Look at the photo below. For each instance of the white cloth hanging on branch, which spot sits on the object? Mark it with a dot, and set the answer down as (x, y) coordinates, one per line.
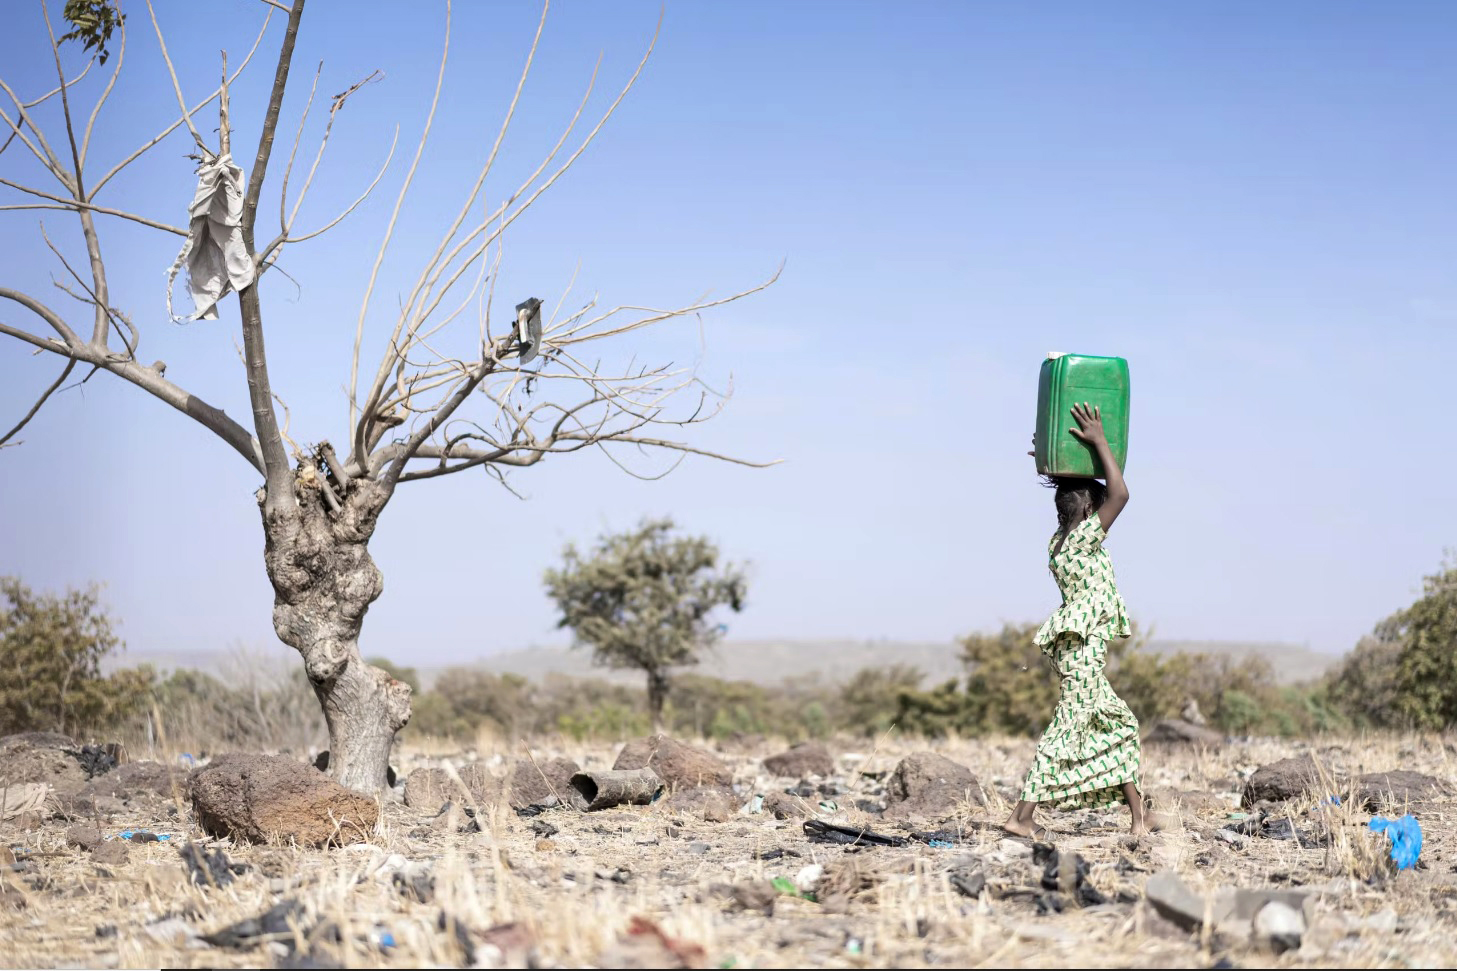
(214, 252)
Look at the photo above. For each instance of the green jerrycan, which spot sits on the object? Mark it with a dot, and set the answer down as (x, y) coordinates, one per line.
(1066, 380)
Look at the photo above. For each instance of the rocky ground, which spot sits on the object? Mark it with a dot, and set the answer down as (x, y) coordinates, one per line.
(885, 855)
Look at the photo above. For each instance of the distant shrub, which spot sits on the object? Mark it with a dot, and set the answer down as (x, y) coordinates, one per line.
(51, 649)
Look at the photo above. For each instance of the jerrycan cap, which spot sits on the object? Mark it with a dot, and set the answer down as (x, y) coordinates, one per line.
(1054, 355)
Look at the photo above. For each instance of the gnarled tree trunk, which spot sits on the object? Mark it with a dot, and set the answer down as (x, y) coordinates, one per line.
(317, 555)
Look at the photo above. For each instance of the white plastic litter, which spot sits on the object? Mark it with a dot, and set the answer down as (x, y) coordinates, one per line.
(214, 252)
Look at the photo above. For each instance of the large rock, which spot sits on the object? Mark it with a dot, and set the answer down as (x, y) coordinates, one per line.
(929, 786)
(804, 759)
(528, 788)
(1378, 790)
(711, 804)
(429, 789)
(1177, 731)
(680, 766)
(41, 757)
(272, 798)
(1282, 780)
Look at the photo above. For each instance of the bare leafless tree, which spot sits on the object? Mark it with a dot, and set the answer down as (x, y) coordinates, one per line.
(530, 388)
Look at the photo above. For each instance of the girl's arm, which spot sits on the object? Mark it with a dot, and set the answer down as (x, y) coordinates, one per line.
(1090, 433)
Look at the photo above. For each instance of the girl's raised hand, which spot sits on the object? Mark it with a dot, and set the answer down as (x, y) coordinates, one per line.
(1090, 424)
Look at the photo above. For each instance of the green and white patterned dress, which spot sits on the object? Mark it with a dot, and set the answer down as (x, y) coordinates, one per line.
(1090, 748)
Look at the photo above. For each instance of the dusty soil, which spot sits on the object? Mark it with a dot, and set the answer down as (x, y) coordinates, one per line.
(655, 886)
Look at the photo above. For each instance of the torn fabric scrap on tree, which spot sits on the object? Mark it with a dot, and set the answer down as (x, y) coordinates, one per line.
(215, 254)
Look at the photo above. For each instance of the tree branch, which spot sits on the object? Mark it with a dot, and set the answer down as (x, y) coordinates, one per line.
(278, 497)
(79, 205)
(148, 379)
(65, 373)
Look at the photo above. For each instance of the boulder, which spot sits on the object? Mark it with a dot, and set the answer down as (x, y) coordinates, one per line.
(929, 786)
(781, 805)
(528, 788)
(1282, 780)
(41, 757)
(1378, 790)
(804, 759)
(274, 799)
(679, 765)
(429, 789)
(1177, 731)
(113, 853)
(712, 805)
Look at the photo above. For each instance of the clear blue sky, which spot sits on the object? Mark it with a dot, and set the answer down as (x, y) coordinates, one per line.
(1253, 203)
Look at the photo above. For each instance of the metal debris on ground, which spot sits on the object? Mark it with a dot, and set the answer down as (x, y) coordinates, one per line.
(819, 831)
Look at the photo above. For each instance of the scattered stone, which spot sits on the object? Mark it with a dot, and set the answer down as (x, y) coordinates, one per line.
(41, 757)
(781, 805)
(968, 882)
(1379, 790)
(808, 878)
(209, 868)
(756, 895)
(429, 789)
(1238, 840)
(679, 765)
(543, 829)
(278, 921)
(804, 759)
(929, 786)
(1174, 901)
(416, 881)
(545, 846)
(528, 788)
(713, 805)
(12, 898)
(268, 798)
(84, 836)
(1191, 713)
(1278, 781)
(1279, 926)
(698, 849)
(111, 853)
(1066, 872)
(1177, 731)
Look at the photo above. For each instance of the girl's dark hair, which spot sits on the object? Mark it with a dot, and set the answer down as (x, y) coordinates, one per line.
(1076, 500)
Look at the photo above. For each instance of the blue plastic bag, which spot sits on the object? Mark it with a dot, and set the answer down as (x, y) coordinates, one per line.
(1406, 838)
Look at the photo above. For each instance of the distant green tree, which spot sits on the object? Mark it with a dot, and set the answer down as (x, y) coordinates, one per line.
(1365, 686)
(51, 649)
(1426, 668)
(643, 599)
(869, 703)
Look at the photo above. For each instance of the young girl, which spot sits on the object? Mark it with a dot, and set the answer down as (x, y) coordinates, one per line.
(1089, 755)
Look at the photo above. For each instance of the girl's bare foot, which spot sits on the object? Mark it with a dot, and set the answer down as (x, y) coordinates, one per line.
(1015, 827)
(1149, 822)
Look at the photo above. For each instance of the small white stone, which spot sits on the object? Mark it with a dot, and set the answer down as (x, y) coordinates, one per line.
(809, 877)
(1278, 920)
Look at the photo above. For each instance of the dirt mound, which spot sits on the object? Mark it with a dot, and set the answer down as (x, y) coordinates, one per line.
(41, 757)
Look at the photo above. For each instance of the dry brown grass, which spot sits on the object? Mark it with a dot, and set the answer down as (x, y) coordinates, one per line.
(904, 911)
